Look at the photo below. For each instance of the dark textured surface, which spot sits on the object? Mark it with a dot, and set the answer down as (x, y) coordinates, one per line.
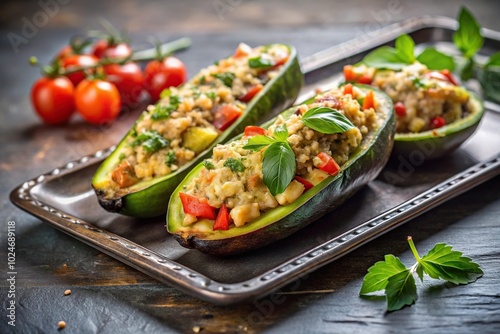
(109, 297)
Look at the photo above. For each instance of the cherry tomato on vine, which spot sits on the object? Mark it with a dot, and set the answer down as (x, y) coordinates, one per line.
(108, 49)
(159, 75)
(98, 101)
(53, 99)
(128, 79)
(77, 61)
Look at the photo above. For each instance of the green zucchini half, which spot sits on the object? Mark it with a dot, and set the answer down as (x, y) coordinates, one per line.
(436, 143)
(149, 198)
(362, 167)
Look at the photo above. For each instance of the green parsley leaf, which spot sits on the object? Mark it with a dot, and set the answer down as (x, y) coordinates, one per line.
(261, 62)
(405, 47)
(278, 167)
(436, 60)
(468, 37)
(235, 165)
(385, 57)
(379, 274)
(226, 78)
(326, 120)
(202, 80)
(443, 262)
(211, 95)
(419, 83)
(494, 60)
(400, 290)
(170, 158)
(164, 93)
(257, 143)
(121, 156)
(208, 164)
(161, 112)
(281, 133)
(151, 141)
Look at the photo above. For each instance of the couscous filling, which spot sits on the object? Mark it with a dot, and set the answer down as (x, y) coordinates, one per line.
(189, 118)
(231, 191)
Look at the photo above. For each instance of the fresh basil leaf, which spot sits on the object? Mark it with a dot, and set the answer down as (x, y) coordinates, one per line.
(494, 60)
(326, 120)
(468, 37)
(208, 164)
(443, 262)
(226, 78)
(405, 47)
(385, 57)
(435, 60)
(419, 83)
(379, 274)
(261, 62)
(281, 133)
(170, 158)
(401, 290)
(151, 141)
(278, 167)
(257, 143)
(235, 165)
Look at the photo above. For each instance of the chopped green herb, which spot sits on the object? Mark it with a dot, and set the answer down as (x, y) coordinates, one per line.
(175, 100)
(151, 141)
(211, 95)
(392, 276)
(226, 78)
(235, 165)
(121, 156)
(202, 80)
(419, 83)
(208, 164)
(164, 93)
(261, 62)
(170, 158)
(216, 62)
(161, 112)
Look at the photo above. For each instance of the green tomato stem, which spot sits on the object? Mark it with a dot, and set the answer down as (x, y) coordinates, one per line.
(413, 249)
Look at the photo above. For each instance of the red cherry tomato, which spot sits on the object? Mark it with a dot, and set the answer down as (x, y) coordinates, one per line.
(198, 207)
(159, 75)
(252, 91)
(98, 101)
(226, 116)
(437, 122)
(253, 130)
(129, 80)
(105, 49)
(307, 185)
(77, 61)
(400, 109)
(328, 164)
(222, 220)
(364, 79)
(53, 99)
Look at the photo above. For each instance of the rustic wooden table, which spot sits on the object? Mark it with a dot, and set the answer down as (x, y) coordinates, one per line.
(109, 297)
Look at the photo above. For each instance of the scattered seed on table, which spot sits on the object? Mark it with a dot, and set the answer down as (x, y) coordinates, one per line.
(67, 292)
(61, 325)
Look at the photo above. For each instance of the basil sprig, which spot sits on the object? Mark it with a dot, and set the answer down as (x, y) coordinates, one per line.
(326, 120)
(403, 54)
(278, 163)
(261, 62)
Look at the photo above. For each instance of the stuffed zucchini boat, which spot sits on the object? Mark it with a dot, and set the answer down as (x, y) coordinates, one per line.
(275, 179)
(181, 129)
(434, 114)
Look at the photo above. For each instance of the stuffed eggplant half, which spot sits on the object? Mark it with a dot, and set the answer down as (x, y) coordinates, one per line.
(434, 114)
(181, 129)
(277, 178)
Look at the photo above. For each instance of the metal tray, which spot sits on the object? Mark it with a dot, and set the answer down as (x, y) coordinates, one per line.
(405, 189)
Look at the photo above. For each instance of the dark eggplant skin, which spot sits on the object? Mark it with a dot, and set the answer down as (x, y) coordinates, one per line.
(360, 169)
(150, 198)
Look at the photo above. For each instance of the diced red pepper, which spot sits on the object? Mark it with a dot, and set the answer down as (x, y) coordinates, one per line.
(364, 79)
(307, 185)
(400, 109)
(348, 90)
(253, 130)
(226, 116)
(198, 207)
(349, 73)
(328, 164)
(451, 78)
(369, 101)
(252, 91)
(222, 220)
(242, 50)
(437, 122)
